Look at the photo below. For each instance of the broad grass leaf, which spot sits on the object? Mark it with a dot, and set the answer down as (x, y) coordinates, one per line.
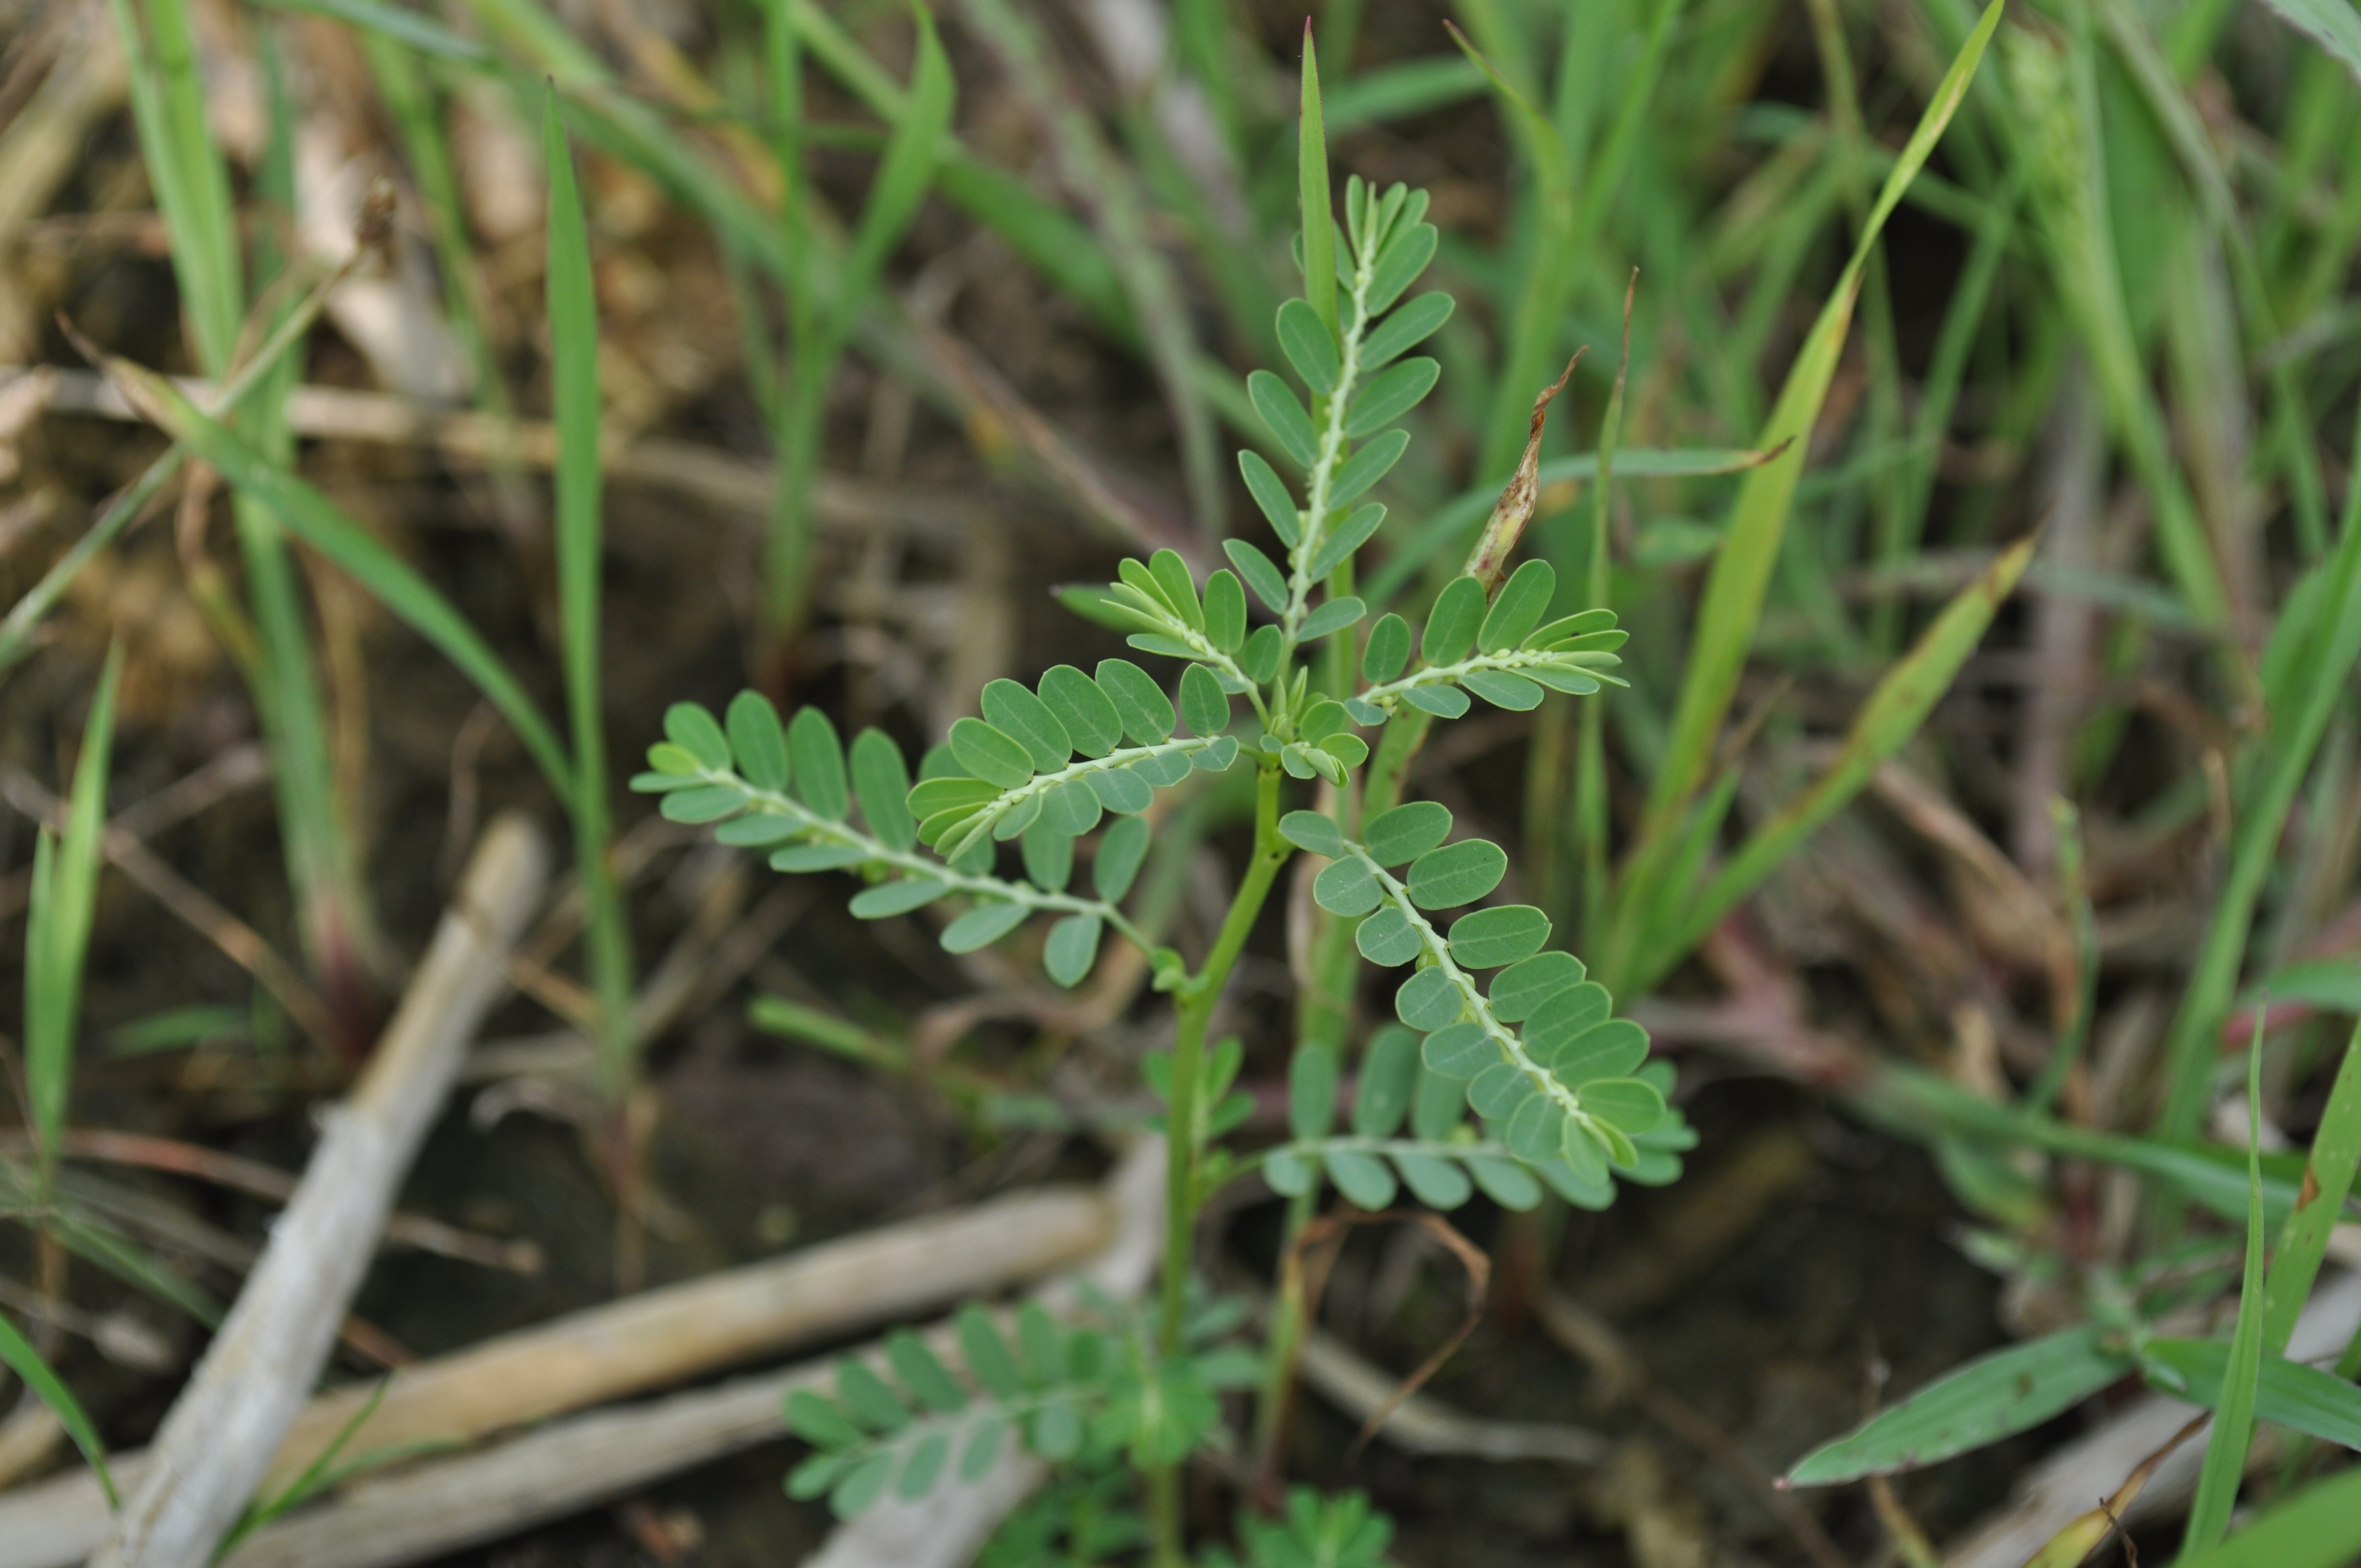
(1991, 1398)
(2333, 25)
(17, 1351)
(2315, 1402)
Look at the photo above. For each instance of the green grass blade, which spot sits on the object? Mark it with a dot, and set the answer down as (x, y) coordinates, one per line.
(1546, 282)
(27, 1362)
(1893, 714)
(2328, 1182)
(315, 520)
(1448, 529)
(2320, 1527)
(53, 996)
(2317, 683)
(574, 375)
(1315, 210)
(2291, 1394)
(2234, 1419)
(1989, 1398)
(187, 172)
(1732, 605)
(2333, 25)
(909, 168)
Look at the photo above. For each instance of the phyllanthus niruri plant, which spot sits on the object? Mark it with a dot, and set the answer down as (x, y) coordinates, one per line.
(1563, 1095)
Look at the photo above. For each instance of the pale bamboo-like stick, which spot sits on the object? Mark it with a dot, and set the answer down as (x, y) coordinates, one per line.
(445, 1505)
(646, 1342)
(217, 1443)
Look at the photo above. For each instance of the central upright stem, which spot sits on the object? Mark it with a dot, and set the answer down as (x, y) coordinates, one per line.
(1184, 1137)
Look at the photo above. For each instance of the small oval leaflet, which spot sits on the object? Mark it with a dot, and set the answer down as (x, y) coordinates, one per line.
(896, 897)
(1537, 1130)
(988, 753)
(1452, 624)
(1081, 709)
(1522, 601)
(1146, 711)
(1284, 416)
(1120, 789)
(1443, 701)
(1387, 938)
(819, 764)
(759, 741)
(1268, 582)
(1203, 709)
(1519, 989)
(982, 926)
(1503, 688)
(1624, 1103)
(1122, 848)
(1345, 887)
(1311, 1091)
(1612, 1050)
(1498, 1090)
(1362, 1178)
(1429, 999)
(1456, 873)
(1407, 831)
(1491, 937)
(1072, 948)
(1016, 712)
(1225, 611)
(1388, 652)
(1460, 1051)
(1314, 831)
(1331, 617)
(881, 781)
(1434, 1182)
(689, 726)
(1389, 1073)
(1566, 1014)
(1071, 808)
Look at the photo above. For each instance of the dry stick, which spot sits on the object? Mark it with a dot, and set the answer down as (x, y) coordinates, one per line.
(446, 1504)
(217, 1443)
(628, 1347)
(998, 420)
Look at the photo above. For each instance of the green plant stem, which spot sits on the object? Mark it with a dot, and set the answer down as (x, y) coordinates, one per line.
(1199, 994)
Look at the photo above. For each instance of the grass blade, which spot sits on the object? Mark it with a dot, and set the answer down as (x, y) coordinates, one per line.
(2333, 25)
(2320, 1527)
(574, 374)
(2316, 685)
(1315, 210)
(315, 520)
(27, 1362)
(57, 935)
(1989, 1398)
(1886, 721)
(1732, 604)
(2234, 1419)
(2328, 1182)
